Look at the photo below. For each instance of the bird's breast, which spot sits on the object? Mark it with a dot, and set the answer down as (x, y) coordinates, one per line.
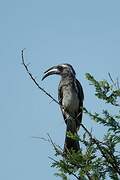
(70, 100)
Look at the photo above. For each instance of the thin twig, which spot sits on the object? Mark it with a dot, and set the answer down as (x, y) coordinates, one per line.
(34, 80)
(112, 80)
(41, 138)
(118, 84)
(59, 151)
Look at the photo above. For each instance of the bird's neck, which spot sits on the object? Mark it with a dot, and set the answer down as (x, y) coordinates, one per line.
(66, 79)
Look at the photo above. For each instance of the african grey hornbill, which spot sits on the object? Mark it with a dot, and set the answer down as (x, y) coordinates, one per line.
(70, 96)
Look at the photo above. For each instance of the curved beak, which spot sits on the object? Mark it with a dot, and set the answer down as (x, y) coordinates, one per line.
(51, 71)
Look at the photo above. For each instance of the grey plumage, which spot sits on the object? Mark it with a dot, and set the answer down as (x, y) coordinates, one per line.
(70, 96)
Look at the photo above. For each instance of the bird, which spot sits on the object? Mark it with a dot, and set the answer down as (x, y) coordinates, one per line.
(70, 98)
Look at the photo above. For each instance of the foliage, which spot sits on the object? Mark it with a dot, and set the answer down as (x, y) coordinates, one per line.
(96, 159)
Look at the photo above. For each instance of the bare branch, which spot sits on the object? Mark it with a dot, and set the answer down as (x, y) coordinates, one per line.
(113, 82)
(118, 83)
(111, 79)
(41, 138)
(56, 147)
(34, 80)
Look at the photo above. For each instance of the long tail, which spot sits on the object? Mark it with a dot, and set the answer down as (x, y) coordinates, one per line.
(70, 143)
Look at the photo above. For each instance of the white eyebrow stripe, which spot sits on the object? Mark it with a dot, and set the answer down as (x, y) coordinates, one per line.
(64, 65)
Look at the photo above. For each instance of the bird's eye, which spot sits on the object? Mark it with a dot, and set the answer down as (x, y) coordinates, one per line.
(60, 68)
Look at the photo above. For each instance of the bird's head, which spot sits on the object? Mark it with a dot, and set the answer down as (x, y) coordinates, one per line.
(62, 70)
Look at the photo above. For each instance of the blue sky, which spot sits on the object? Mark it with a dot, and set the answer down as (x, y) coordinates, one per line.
(83, 33)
